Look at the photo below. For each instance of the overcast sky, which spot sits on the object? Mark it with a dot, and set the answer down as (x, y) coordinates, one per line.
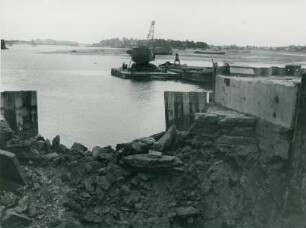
(241, 22)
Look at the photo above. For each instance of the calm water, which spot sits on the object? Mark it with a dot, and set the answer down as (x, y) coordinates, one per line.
(79, 99)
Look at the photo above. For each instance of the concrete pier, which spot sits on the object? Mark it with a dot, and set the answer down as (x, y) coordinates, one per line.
(19, 108)
(180, 108)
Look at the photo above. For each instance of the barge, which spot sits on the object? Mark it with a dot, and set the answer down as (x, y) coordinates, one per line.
(149, 75)
(189, 73)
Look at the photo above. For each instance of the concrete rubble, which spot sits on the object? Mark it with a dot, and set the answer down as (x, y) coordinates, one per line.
(214, 175)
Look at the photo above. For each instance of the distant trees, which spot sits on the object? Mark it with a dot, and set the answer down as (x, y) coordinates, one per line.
(125, 42)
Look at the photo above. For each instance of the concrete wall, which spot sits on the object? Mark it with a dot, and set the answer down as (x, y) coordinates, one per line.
(288, 70)
(273, 140)
(270, 99)
(295, 207)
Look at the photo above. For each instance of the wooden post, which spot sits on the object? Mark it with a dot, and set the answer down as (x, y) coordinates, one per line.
(19, 109)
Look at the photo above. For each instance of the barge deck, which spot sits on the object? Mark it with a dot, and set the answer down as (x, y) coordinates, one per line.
(128, 74)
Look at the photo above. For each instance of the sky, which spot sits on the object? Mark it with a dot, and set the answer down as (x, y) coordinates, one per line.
(219, 22)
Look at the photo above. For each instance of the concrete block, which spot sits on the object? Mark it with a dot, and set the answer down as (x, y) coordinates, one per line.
(10, 170)
(272, 99)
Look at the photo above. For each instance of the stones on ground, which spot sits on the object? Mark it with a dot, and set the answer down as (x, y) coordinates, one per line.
(153, 222)
(155, 154)
(6, 133)
(10, 169)
(147, 162)
(9, 199)
(73, 205)
(104, 154)
(167, 140)
(78, 148)
(39, 137)
(236, 145)
(185, 212)
(51, 156)
(89, 186)
(23, 204)
(103, 182)
(56, 141)
(92, 217)
(11, 219)
(138, 146)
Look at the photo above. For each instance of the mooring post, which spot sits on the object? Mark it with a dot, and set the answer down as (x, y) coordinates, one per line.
(19, 109)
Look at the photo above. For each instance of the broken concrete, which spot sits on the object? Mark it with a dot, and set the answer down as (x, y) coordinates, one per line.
(12, 219)
(149, 162)
(10, 169)
(224, 179)
(167, 140)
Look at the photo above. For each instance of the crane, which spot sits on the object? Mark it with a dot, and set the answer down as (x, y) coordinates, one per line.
(150, 36)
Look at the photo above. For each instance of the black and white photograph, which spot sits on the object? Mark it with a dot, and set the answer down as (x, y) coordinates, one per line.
(153, 114)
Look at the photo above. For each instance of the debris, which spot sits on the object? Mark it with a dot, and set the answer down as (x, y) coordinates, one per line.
(105, 153)
(56, 141)
(9, 199)
(147, 162)
(185, 212)
(23, 204)
(92, 217)
(166, 141)
(51, 156)
(10, 169)
(12, 219)
(103, 182)
(155, 154)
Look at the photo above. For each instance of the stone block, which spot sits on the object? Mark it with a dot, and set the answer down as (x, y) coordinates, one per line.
(10, 170)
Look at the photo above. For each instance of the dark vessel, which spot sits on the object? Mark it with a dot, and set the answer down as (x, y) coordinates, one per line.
(3, 44)
(162, 50)
(141, 55)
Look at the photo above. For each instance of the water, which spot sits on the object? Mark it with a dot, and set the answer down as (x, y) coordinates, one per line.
(79, 99)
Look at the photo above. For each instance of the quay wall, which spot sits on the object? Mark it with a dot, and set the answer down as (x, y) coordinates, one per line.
(288, 70)
(295, 206)
(271, 100)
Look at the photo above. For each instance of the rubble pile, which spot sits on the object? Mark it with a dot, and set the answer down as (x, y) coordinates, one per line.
(211, 176)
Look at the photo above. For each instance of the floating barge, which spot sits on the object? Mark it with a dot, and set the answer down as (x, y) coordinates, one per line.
(158, 75)
(189, 73)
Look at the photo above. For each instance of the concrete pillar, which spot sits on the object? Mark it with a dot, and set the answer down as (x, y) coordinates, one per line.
(180, 108)
(19, 108)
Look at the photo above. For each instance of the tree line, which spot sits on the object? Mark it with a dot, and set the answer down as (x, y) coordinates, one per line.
(125, 42)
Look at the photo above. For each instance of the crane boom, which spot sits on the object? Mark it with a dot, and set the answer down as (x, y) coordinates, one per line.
(150, 36)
